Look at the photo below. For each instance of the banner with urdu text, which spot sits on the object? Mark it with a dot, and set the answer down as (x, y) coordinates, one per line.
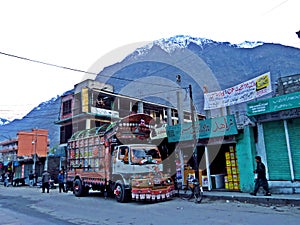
(240, 93)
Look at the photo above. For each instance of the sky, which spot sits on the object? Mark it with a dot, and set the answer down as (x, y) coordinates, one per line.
(76, 34)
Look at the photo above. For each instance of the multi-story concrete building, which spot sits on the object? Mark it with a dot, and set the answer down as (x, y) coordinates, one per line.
(25, 153)
(8, 154)
(92, 104)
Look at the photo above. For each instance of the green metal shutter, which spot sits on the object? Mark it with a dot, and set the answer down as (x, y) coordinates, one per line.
(294, 133)
(276, 150)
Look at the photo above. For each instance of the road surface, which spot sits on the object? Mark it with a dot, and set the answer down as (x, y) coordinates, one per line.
(25, 205)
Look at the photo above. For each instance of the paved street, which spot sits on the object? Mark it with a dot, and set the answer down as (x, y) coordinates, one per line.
(24, 205)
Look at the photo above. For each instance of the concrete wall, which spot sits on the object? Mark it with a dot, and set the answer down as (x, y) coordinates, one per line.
(32, 142)
(245, 150)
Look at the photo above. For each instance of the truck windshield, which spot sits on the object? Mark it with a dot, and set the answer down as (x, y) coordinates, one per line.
(144, 155)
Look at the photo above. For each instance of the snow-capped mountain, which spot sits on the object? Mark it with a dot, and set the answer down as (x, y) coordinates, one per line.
(4, 121)
(183, 41)
(199, 61)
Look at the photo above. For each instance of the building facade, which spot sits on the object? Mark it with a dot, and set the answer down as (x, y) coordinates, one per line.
(28, 152)
(277, 134)
(278, 139)
(93, 104)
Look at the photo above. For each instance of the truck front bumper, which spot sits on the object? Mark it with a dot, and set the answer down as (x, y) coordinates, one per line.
(149, 194)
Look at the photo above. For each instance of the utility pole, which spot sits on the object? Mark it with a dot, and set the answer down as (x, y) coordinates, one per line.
(180, 121)
(195, 155)
(34, 156)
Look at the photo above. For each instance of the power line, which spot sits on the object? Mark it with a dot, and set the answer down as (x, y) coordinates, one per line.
(112, 77)
(45, 63)
(93, 73)
(275, 7)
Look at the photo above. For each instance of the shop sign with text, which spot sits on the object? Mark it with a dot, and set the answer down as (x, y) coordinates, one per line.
(279, 103)
(215, 127)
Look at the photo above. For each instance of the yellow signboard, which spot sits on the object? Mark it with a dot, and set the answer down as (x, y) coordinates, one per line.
(262, 82)
(84, 100)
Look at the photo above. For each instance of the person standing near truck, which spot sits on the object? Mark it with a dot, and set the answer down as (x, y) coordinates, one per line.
(31, 178)
(6, 179)
(61, 179)
(45, 181)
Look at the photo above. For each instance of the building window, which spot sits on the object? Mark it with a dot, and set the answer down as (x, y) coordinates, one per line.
(67, 107)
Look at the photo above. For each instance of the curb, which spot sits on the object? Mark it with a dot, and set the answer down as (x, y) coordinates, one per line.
(257, 199)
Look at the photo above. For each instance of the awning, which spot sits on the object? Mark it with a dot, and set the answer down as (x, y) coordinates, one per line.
(16, 163)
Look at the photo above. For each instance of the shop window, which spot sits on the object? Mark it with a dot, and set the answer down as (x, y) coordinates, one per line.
(103, 102)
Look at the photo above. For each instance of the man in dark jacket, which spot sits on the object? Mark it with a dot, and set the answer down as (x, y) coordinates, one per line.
(61, 178)
(261, 180)
(45, 181)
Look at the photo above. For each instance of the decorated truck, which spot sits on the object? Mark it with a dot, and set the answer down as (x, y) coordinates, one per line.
(118, 159)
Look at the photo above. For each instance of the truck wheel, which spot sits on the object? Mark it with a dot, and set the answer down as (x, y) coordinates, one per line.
(119, 192)
(78, 188)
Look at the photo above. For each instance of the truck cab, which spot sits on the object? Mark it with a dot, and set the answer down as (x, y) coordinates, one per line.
(137, 169)
(135, 158)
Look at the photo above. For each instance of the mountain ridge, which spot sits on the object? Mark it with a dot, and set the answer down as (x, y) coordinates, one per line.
(224, 63)
(41, 117)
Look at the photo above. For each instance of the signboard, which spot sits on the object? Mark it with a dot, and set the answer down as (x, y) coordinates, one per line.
(215, 127)
(180, 132)
(105, 112)
(218, 127)
(240, 93)
(159, 132)
(279, 103)
(84, 100)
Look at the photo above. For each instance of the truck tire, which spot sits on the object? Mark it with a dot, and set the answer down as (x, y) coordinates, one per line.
(120, 192)
(78, 188)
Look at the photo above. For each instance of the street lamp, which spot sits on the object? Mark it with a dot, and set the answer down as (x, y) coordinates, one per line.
(34, 156)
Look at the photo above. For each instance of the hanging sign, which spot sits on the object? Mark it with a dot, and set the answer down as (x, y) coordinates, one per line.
(249, 90)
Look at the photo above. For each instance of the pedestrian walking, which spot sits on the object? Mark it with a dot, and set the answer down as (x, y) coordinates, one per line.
(6, 179)
(261, 180)
(31, 178)
(61, 178)
(34, 179)
(45, 181)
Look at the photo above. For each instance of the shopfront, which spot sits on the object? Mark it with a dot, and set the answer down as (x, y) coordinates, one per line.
(216, 152)
(278, 121)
